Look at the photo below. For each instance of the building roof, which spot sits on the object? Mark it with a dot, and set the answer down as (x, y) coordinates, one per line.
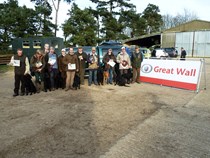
(195, 25)
(144, 40)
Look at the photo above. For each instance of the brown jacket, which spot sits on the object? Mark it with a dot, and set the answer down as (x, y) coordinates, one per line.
(71, 59)
(61, 65)
(35, 60)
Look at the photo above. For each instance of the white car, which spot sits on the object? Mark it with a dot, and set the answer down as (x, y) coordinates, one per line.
(160, 53)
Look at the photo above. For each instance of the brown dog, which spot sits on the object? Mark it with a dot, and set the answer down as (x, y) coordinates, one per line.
(105, 76)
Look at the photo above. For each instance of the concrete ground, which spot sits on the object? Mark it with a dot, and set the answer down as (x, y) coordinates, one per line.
(173, 131)
(139, 121)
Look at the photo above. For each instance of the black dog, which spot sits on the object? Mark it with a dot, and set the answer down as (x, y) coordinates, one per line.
(128, 76)
(120, 80)
(76, 83)
(100, 77)
(29, 85)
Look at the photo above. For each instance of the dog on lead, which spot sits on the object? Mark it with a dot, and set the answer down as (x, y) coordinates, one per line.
(76, 83)
(119, 79)
(105, 77)
(29, 85)
(100, 74)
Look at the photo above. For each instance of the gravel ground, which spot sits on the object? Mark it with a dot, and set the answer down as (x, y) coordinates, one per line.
(142, 120)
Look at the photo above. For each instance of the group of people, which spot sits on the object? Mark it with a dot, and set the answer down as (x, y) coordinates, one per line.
(49, 68)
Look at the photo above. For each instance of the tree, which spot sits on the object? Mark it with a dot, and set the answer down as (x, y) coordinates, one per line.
(15, 22)
(43, 22)
(56, 6)
(112, 28)
(133, 22)
(153, 18)
(80, 28)
(172, 21)
(109, 13)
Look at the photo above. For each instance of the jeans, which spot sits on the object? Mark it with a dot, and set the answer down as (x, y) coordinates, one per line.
(92, 74)
(53, 75)
(110, 71)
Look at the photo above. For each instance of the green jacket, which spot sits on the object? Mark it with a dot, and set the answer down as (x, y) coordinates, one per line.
(82, 62)
(136, 59)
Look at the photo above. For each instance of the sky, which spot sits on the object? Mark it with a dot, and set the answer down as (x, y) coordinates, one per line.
(172, 7)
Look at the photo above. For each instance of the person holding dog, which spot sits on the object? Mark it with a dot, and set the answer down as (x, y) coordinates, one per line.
(82, 59)
(21, 64)
(72, 65)
(136, 60)
(38, 67)
(109, 61)
(124, 61)
(93, 66)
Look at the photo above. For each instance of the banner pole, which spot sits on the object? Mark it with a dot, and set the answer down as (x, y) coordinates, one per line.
(204, 69)
(199, 77)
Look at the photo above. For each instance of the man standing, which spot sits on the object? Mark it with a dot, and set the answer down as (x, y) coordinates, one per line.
(124, 61)
(21, 64)
(93, 66)
(52, 64)
(72, 66)
(136, 60)
(183, 54)
(46, 76)
(62, 68)
(82, 59)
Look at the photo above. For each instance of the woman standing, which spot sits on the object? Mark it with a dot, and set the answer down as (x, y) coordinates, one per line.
(38, 67)
(109, 61)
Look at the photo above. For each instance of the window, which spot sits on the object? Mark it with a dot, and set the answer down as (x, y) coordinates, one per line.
(37, 44)
(26, 44)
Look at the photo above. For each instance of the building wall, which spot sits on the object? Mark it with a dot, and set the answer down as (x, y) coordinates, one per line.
(168, 39)
(185, 40)
(196, 44)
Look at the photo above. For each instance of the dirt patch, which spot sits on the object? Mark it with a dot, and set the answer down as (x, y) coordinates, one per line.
(82, 123)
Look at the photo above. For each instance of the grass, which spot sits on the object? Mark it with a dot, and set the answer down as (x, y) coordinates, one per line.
(5, 68)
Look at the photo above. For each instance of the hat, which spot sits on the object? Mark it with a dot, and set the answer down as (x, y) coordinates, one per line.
(123, 48)
(93, 48)
(136, 47)
(63, 50)
(79, 47)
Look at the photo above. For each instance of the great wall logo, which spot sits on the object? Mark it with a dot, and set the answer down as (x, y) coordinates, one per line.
(146, 68)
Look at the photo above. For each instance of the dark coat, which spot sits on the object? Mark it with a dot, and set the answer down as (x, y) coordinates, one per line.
(34, 60)
(106, 59)
(82, 63)
(20, 70)
(61, 65)
(136, 59)
(71, 59)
